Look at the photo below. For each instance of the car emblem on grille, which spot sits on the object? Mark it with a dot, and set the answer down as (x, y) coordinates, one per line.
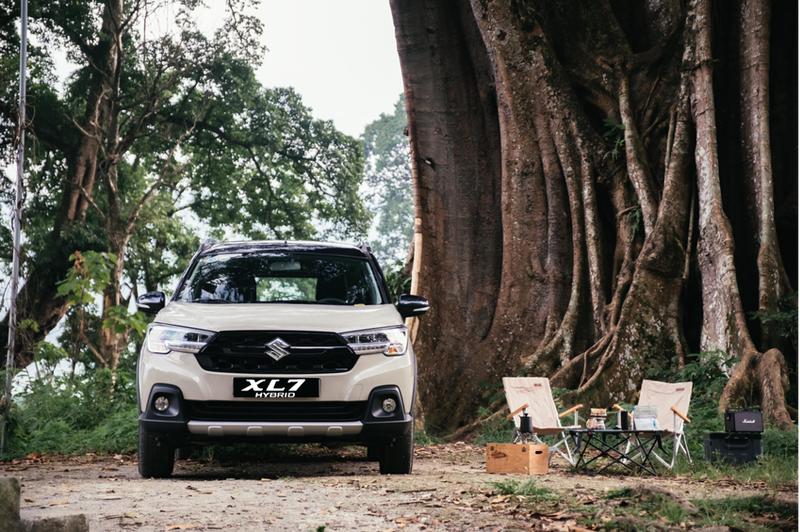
(277, 348)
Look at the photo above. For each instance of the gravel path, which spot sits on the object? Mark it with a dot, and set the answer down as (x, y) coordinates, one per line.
(337, 489)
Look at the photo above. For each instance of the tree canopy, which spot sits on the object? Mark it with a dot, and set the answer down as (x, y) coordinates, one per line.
(161, 128)
(388, 174)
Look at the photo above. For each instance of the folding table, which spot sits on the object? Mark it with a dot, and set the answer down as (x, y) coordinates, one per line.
(614, 445)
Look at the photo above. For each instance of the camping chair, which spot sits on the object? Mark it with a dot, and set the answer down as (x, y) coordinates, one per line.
(535, 392)
(672, 401)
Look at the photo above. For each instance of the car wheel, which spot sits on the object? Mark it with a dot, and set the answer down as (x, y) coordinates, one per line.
(397, 457)
(374, 451)
(156, 459)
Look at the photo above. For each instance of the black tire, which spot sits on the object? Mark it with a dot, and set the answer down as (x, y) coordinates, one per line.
(374, 451)
(397, 457)
(156, 459)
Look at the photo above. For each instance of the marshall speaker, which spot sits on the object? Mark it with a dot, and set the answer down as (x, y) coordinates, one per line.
(743, 421)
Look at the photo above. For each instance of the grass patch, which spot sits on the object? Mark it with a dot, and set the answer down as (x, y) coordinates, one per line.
(628, 511)
(623, 493)
(495, 431)
(743, 512)
(772, 470)
(423, 438)
(529, 488)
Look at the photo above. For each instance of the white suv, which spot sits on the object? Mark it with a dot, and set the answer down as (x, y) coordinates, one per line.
(278, 342)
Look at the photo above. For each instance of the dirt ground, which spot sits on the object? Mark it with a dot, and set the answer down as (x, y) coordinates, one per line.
(337, 488)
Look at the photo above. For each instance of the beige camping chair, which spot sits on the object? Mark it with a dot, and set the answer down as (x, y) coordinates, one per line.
(535, 392)
(672, 401)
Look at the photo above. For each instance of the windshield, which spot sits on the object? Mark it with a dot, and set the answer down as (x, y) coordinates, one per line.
(275, 277)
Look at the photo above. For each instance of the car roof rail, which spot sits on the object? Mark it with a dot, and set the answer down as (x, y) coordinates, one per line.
(207, 243)
(365, 247)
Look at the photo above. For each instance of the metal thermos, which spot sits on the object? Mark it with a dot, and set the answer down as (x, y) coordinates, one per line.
(525, 424)
(622, 419)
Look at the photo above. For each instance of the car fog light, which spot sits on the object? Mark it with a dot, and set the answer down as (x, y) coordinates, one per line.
(161, 403)
(389, 405)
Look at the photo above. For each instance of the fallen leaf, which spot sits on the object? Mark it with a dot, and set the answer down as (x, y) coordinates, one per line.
(266, 480)
(502, 498)
(110, 469)
(16, 468)
(65, 501)
(497, 529)
(205, 492)
(280, 494)
(131, 516)
(406, 520)
(29, 500)
(110, 491)
(179, 527)
(323, 512)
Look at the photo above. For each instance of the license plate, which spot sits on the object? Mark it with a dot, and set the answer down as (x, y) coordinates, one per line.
(275, 388)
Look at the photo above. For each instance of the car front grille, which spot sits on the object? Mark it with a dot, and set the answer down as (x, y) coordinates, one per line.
(307, 411)
(247, 352)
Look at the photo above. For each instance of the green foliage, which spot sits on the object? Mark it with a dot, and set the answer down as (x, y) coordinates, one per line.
(739, 512)
(86, 280)
(529, 488)
(399, 283)
(785, 318)
(120, 320)
(424, 438)
(785, 322)
(634, 219)
(88, 276)
(494, 430)
(617, 134)
(388, 174)
(618, 494)
(707, 372)
(197, 133)
(56, 415)
(494, 391)
(780, 443)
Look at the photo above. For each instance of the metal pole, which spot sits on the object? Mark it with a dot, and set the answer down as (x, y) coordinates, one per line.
(12, 313)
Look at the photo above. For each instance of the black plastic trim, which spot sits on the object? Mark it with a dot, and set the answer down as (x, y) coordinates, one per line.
(375, 413)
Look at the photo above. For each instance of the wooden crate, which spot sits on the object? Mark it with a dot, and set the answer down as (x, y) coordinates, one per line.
(528, 459)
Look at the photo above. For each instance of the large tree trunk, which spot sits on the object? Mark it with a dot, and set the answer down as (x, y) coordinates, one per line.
(545, 251)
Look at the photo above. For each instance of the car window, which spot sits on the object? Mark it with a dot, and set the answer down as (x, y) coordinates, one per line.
(281, 278)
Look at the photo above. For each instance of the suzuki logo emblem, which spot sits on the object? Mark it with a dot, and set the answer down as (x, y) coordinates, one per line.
(277, 348)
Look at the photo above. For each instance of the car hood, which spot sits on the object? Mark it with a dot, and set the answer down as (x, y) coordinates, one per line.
(278, 316)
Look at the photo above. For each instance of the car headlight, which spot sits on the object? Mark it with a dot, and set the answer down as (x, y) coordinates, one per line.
(164, 338)
(390, 342)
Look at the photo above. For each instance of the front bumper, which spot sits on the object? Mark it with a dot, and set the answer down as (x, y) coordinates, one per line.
(178, 424)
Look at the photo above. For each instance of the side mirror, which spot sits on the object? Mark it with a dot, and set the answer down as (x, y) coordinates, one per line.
(151, 302)
(409, 306)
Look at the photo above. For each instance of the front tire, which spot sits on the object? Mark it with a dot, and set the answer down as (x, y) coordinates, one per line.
(156, 458)
(397, 457)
